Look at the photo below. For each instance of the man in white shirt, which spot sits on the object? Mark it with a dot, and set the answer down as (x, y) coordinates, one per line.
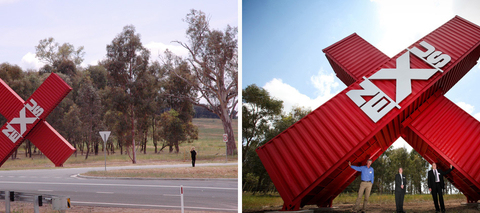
(400, 189)
(436, 185)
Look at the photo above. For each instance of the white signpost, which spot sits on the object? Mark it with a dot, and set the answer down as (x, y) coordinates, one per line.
(181, 198)
(225, 139)
(105, 135)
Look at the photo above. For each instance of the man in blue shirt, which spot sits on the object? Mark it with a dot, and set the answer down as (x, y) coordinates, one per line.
(366, 185)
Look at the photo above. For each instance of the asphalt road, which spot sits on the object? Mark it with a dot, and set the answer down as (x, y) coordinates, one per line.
(199, 194)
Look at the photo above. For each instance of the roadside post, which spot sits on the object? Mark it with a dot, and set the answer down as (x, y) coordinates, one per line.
(181, 197)
(225, 139)
(105, 135)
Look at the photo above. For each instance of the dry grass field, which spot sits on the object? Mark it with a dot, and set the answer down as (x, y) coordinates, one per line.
(187, 172)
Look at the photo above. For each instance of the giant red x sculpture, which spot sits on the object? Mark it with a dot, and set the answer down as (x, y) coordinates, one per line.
(386, 98)
(26, 120)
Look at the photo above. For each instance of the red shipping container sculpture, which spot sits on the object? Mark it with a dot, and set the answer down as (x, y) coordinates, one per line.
(26, 120)
(386, 98)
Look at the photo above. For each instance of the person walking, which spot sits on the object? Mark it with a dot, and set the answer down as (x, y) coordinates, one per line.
(436, 185)
(193, 153)
(400, 189)
(366, 184)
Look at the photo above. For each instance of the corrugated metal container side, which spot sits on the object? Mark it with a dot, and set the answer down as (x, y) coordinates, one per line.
(50, 94)
(445, 133)
(51, 143)
(11, 103)
(300, 159)
(309, 158)
(10, 106)
(7, 147)
(458, 38)
(352, 58)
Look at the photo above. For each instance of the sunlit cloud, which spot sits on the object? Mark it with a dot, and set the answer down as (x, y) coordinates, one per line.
(324, 84)
(29, 61)
(402, 24)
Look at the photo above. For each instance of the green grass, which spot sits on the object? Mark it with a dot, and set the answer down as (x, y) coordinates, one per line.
(273, 201)
(210, 148)
(261, 201)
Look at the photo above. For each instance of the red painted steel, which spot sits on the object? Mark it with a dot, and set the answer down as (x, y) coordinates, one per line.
(308, 161)
(11, 102)
(352, 58)
(50, 93)
(446, 134)
(47, 96)
(51, 143)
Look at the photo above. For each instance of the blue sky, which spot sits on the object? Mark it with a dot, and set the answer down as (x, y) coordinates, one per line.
(94, 24)
(283, 42)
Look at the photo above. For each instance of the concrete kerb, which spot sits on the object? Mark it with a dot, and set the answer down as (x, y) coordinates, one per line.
(134, 178)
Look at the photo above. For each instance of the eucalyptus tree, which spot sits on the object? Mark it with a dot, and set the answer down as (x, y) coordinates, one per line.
(213, 57)
(126, 59)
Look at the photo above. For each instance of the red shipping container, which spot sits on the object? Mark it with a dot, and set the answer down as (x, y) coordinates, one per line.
(308, 161)
(26, 120)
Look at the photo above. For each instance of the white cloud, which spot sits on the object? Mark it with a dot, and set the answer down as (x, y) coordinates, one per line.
(466, 107)
(29, 61)
(405, 21)
(400, 143)
(324, 83)
(158, 48)
(470, 109)
(477, 116)
(3, 2)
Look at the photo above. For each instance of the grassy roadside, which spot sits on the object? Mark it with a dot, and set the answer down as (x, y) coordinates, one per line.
(184, 172)
(210, 148)
(273, 201)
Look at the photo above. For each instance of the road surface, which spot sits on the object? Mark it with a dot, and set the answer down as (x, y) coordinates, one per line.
(199, 194)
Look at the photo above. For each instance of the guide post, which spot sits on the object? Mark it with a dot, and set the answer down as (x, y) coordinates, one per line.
(225, 139)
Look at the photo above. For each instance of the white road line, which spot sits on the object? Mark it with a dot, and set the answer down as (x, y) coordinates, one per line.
(104, 192)
(145, 205)
(45, 190)
(125, 185)
(169, 195)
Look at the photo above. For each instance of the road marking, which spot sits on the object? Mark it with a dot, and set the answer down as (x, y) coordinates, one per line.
(45, 190)
(169, 195)
(125, 185)
(104, 192)
(158, 206)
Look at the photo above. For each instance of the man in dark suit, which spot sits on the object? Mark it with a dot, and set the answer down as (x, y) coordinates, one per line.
(400, 189)
(436, 185)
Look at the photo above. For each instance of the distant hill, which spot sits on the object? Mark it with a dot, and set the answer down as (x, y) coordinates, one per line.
(201, 112)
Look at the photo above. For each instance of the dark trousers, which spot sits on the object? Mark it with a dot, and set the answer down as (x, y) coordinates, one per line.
(438, 190)
(399, 196)
(193, 162)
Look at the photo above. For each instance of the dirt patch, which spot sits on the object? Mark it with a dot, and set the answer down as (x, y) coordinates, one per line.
(450, 206)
